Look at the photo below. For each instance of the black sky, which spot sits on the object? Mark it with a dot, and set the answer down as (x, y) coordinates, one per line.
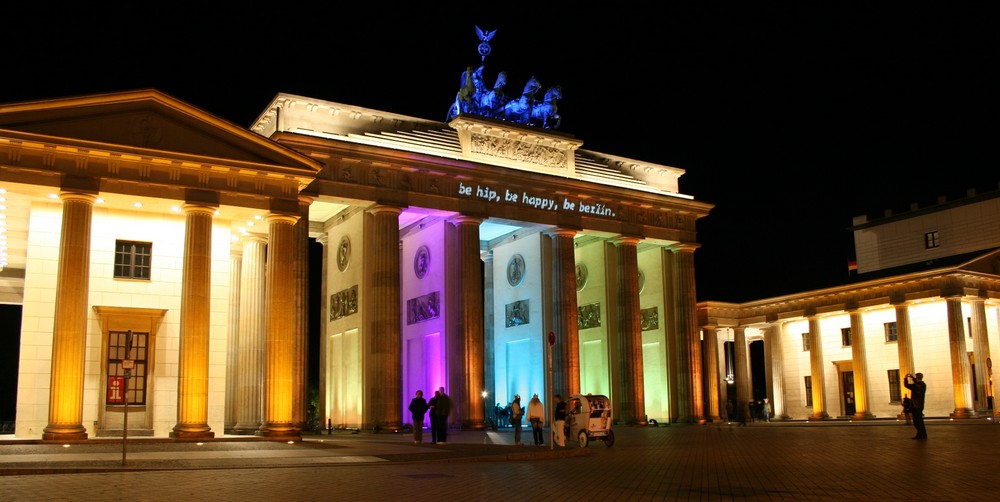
(791, 119)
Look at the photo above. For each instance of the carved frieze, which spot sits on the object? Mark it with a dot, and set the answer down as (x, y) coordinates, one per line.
(588, 316)
(423, 308)
(344, 303)
(516, 313)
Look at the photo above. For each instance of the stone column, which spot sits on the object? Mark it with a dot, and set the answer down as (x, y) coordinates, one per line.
(960, 370)
(816, 370)
(904, 345)
(466, 364)
(383, 403)
(567, 348)
(324, 316)
(233, 336)
(744, 387)
(195, 327)
(687, 331)
(301, 330)
(69, 331)
(981, 354)
(279, 344)
(631, 393)
(489, 351)
(859, 357)
(775, 358)
(252, 334)
(711, 355)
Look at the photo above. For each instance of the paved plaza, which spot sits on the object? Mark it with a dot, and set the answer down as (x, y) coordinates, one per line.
(778, 461)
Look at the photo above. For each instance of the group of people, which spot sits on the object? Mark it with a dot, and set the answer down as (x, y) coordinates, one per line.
(752, 410)
(439, 408)
(536, 417)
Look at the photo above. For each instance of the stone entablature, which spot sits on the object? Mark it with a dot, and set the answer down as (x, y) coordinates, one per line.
(359, 172)
(500, 143)
(934, 284)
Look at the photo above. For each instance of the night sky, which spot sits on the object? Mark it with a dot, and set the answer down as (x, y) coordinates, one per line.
(791, 120)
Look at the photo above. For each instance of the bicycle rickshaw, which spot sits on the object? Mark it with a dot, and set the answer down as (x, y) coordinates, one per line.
(588, 418)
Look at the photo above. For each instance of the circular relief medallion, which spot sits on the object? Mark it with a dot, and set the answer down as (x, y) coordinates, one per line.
(421, 262)
(343, 253)
(642, 281)
(515, 270)
(581, 276)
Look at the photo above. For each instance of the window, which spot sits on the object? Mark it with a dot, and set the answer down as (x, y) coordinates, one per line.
(890, 332)
(136, 384)
(931, 240)
(845, 337)
(809, 390)
(805, 342)
(132, 259)
(894, 396)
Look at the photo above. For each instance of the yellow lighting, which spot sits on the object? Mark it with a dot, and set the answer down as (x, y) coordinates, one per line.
(65, 446)
(137, 204)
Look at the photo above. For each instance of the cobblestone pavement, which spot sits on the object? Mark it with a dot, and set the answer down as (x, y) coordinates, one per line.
(792, 461)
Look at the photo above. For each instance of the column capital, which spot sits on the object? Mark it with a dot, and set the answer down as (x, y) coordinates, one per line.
(291, 219)
(382, 208)
(625, 239)
(686, 247)
(464, 219)
(562, 232)
(199, 209)
(77, 196)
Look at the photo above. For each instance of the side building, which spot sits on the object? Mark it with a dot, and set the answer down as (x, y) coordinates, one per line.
(926, 299)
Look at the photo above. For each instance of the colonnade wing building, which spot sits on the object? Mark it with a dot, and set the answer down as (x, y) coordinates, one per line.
(925, 299)
(160, 255)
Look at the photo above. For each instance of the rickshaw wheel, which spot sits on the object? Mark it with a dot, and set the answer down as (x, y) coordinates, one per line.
(610, 438)
(583, 439)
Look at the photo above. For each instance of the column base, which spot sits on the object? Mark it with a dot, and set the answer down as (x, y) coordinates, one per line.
(192, 435)
(819, 416)
(242, 431)
(865, 415)
(280, 431)
(474, 425)
(963, 413)
(64, 436)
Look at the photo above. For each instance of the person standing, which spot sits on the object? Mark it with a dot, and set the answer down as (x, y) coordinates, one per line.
(418, 408)
(767, 410)
(559, 422)
(536, 415)
(516, 412)
(441, 412)
(917, 391)
(432, 408)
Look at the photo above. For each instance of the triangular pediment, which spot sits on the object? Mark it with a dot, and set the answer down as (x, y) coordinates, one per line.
(988, 263)
(147, 120)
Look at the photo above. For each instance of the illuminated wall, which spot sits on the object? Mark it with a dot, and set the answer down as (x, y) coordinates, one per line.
(424, 335)
(518, 350)
(595, 377)
(343, 345)
(166, 233)
(654, 344)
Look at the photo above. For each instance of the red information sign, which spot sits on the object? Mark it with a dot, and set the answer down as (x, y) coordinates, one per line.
(116, 385)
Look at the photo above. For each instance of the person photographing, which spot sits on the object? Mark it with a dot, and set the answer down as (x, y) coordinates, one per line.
(917, 391)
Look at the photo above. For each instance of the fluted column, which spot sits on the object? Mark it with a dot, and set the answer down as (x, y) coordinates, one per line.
(816, 370)
(711, 355)
(859, 357)
(69, 331)
(981, 354)
(772, 346)
(489, 352)
(252, 333)
(383, 406)
(631, 392)
(233, 336)
(196, 309)
(324, 314)
(904, 344)
(741, 363)
(467, 363)
(567, 329)
(279, 345)
(960, 370)
(687, 330)
(301, 332)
